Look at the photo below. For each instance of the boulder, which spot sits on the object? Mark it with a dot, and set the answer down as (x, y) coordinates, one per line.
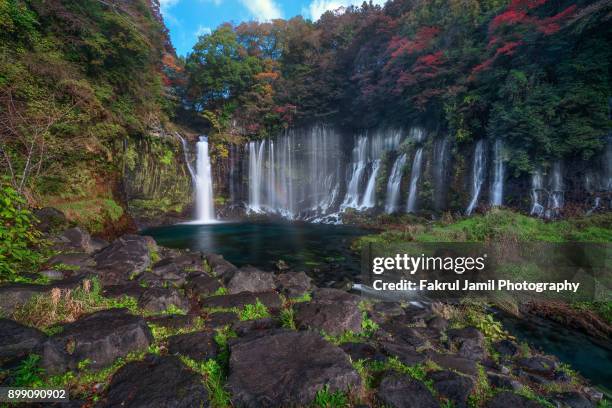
(287, 369)
(156, 382)
(17, 340)
(101, 337)
(537, 365)
(453, 362)
(160, 299)
(404, 353)
(362, 351)
(199, 346)
(453, 386)
(218, 266)
(169, 271)
(383, 311)
(250, 279)
(14, 295)
(573, 400)
(506, 348)
(333, 319)
(74, 239)
(201, 285)
(77, 260)
(508, 399)
(293, 284)
(330, 310)
(401, 391)
(437, 323)
(257, 326)
(469, 342)
(220, 319)
(50, 219)
(124, 259)
(172, 321)
(270, 299)
(503, 381)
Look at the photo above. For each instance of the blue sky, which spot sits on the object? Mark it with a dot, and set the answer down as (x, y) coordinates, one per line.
(187, 19)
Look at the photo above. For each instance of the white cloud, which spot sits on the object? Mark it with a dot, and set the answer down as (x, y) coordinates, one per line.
(318, 7)
(165, 5)
(202, 31)
(263, 10)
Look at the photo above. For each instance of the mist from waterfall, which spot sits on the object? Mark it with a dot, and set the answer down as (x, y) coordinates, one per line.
(537, 193)
(440, 168)
(205, 209)
(497, 188)
(415, 175)
(556, 190)
(478, 175)
(394, 183)
(298, 175)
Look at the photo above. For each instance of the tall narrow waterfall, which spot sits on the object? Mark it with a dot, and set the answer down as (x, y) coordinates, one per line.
(440, 168)
(497, 188)
(478, 174)
(298, 175)
(415, 175)
(205, 210)
(556, 190)
(358, 166)
(393, 184)
(537, 194)
(369, 197)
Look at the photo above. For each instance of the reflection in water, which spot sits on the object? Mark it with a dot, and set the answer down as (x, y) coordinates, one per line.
(323, 250)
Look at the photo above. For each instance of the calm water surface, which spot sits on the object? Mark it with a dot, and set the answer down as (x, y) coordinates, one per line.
(323, 250)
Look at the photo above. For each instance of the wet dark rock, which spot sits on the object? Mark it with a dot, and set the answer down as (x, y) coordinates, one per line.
(406, 354)
(293, 284)
(469, 342)
(17, 340)
(220, 319)
(98, 244)
(218, 266)
(243, 328)
(201, 285)
(417, 337)
(133, 289)
(270, 299)
(573, 400)
(362, 351)
(506, 348)
(73, 259)
(190, 262)
(400, 391)
(101, 337)
(149, 280)
(334, 296)
(170, 272)
(160, 299)
(562, 377)
(503, 381)
(437, 323)
(74, 239)
(50, 219)
(126, 258)
(537, 365)
(172, 321)
(457, 363)
(199, 346)
(508, 399)
(333, 318)
(287, 369)
(250, 279)
(156, 382)
(383, 311)
(453, 386)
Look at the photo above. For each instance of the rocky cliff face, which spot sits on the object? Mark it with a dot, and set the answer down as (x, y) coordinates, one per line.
(156, 178)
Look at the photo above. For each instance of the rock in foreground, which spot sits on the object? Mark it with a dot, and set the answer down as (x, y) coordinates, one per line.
(156, 382)
(287, 369)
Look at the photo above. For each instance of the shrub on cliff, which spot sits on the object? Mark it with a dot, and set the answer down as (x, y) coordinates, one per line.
(18, 236)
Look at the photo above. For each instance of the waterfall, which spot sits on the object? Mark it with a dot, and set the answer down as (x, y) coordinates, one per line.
(357, 168)
(186, 157)
(478, 173)
(369, 197)
(497, 188)
(556, 195)
(414, 180)
(537, 189)
(440, 163)
(393, 185)
(297, 175)
(205, 210)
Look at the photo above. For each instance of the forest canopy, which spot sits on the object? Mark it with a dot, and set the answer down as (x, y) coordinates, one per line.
(533, 72)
